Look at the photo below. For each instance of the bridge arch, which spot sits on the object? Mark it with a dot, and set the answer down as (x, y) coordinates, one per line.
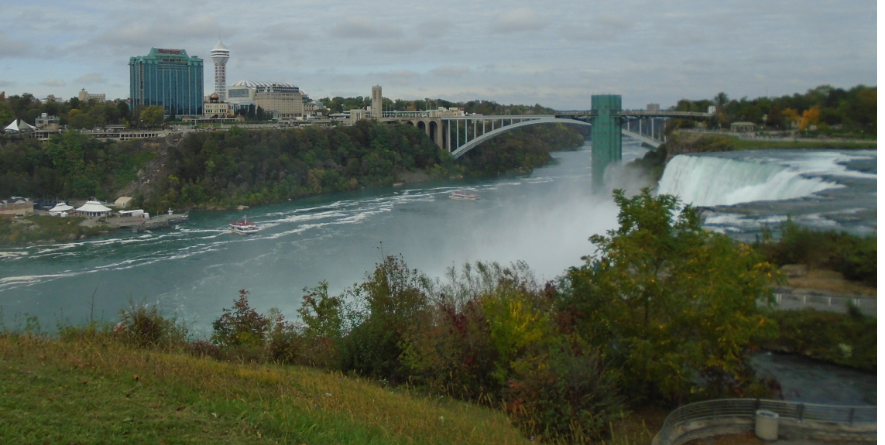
(642, 138)
(470, 145)
(433, 131)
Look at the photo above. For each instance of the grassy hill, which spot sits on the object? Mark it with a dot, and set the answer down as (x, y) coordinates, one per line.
(88, 388)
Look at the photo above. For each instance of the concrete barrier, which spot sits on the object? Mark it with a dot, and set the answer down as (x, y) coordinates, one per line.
(795, 421)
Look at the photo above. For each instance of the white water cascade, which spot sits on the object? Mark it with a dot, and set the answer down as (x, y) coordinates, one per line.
(713, 181)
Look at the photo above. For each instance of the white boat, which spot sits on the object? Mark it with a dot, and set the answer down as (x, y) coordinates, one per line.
(243, 227)
(463, 194)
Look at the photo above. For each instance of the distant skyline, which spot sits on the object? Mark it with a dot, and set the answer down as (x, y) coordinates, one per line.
(554, 53)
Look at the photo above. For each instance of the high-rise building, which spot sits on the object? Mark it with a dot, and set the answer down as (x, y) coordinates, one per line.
(168, 78)
(220, 54)
(377, 102)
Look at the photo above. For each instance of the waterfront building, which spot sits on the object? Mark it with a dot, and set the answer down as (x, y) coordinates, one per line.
(85, 96)
(220, 55)
(168, 78)
(284, 100)
(93, 208)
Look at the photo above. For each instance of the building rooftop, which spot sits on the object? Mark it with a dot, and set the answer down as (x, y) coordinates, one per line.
(260, 84)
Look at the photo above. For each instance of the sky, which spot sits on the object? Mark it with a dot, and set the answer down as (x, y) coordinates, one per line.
(557, 53)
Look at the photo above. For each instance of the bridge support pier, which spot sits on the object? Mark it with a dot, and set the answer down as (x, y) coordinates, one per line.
(606, 136)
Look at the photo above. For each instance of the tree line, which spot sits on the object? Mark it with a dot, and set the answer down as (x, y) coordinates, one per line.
(340, 104)
(236, 167)
(823, 109)
(73, 112)
(226, 169)
(70, 165)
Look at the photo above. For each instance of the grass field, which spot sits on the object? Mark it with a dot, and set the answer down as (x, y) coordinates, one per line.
(94, 389)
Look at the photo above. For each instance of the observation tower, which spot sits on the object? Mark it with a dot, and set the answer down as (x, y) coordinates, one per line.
(220, 54)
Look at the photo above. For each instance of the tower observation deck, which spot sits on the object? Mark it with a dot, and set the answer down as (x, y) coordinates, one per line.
(220, 55)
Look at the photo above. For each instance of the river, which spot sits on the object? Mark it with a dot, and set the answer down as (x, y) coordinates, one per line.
(197, 269)
(544, 218)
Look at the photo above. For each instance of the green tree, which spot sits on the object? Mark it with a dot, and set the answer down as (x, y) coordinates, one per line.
(123, 110)
(152, 116)
(670, 304)
(240, 325)
(775, 118)
(6, 114)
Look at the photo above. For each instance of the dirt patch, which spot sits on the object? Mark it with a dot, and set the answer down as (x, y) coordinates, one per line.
(831, 281)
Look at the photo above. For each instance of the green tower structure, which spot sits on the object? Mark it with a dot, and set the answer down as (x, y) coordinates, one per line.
(606, 135)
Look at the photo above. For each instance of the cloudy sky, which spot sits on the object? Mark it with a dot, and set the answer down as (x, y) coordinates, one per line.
(554, 53)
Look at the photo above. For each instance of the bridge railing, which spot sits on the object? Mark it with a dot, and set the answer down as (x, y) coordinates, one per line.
(787, 299)
(796, 420)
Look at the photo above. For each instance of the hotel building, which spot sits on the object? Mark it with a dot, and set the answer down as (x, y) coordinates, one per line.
(168, 78)
(282, 99)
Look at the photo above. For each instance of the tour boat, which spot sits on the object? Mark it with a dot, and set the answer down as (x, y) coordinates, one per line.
(243, 227)
(463, 194)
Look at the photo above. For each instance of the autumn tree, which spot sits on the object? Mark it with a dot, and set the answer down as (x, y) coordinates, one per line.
(809, 117)
(152, 116)
(670, 304)
(791, 116)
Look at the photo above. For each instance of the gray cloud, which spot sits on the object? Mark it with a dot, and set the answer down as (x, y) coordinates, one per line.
(398, 77)
(364, 28)
(603, 27)
(53, 82)
(6, 83)
(449, 71)
(287, 31)
(400, 46)
(91, 78)
(519, 20)
(250, 49)
(14, 48)
(436, 28)
(155, 30)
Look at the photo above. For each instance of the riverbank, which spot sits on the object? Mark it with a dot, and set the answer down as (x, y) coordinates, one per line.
(46, 229)
(226, 170)
(841, 339)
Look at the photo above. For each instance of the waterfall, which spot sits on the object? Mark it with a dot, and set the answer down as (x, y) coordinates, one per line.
(711, 180)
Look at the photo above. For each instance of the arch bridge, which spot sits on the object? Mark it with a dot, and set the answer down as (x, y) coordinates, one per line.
(458, 134)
